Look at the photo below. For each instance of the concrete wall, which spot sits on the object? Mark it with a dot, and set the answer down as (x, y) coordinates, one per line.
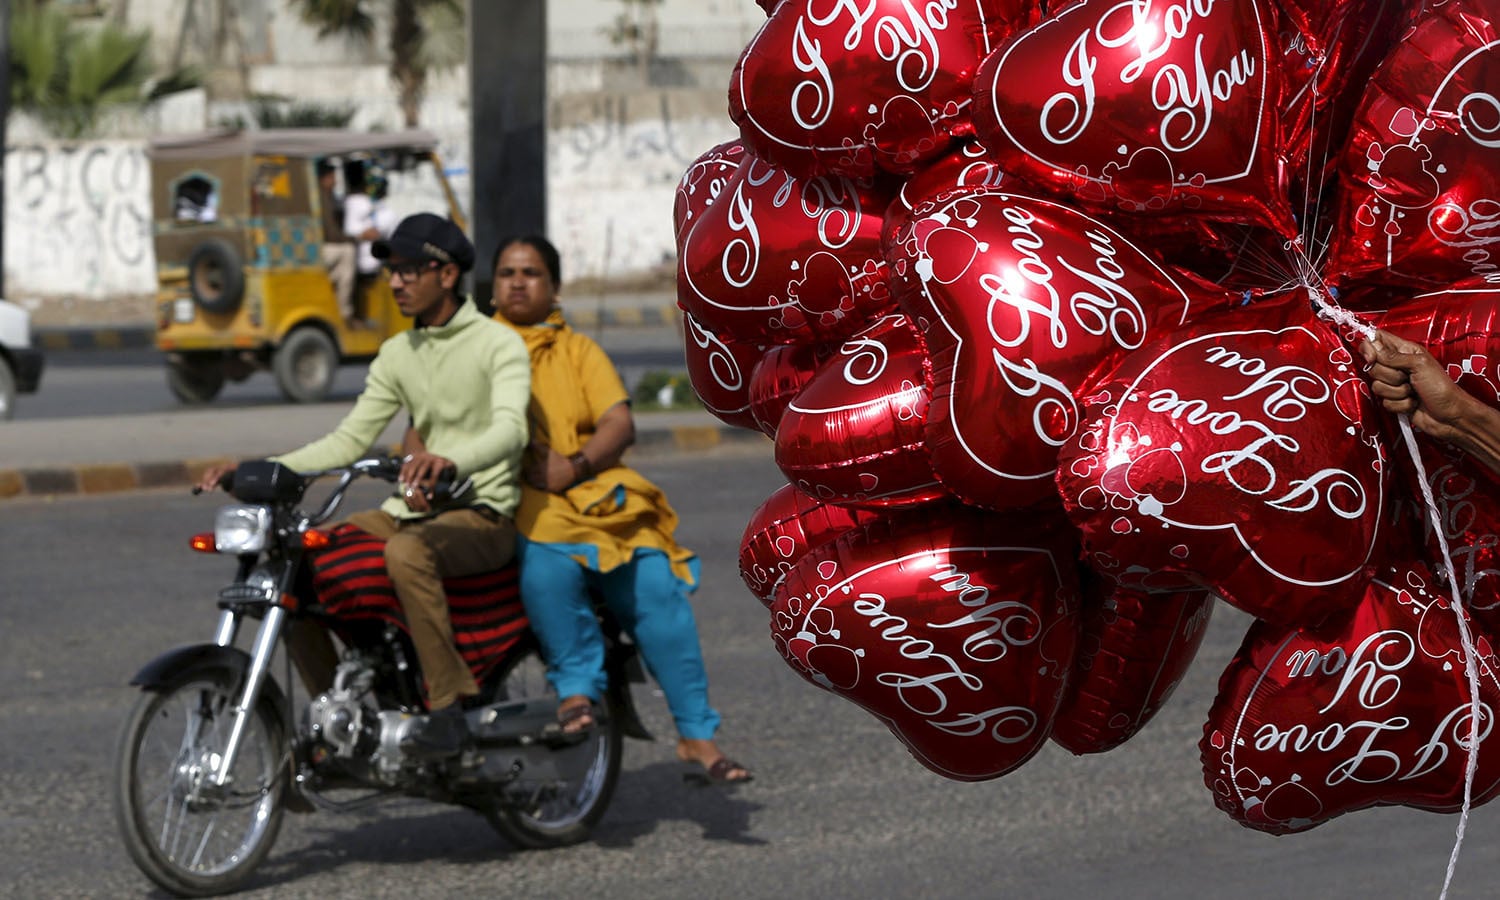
(77, 218)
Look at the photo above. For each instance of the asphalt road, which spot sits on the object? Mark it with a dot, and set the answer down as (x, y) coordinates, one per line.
(115, 382)
(91, 588)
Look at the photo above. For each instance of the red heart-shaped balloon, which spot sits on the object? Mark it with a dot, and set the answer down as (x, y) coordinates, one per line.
(1420, 172)
(955, 628)
(1135, 648)
(781, 531)
(781, 260)
(1372, 709)
(853, 434)
(1145, 108)
(702, 184)
(846, 88)
(1033, 303)
(966, 166)
(780, 373)
(720, 372)
(1238, 455)
(1325, 65)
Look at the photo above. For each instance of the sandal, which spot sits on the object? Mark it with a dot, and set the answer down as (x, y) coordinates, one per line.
(576, 718)
(722, 772)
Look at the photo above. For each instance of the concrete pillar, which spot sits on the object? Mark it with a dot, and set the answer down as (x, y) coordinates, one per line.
(508, 133)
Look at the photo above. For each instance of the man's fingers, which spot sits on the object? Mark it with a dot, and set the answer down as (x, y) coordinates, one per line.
(1383, 374)
(1387, 391)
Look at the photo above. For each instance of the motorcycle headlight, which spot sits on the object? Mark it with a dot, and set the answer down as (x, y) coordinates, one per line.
(242, 529)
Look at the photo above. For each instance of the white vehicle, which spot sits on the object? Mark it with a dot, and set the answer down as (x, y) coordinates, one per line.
(20, 362)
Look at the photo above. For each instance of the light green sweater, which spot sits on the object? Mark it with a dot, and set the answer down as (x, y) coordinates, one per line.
(466, 384)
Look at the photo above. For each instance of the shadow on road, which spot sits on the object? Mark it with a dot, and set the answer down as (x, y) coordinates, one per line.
(406, 832)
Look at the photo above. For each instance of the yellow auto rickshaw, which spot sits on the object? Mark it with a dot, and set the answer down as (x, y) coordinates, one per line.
(242, 281)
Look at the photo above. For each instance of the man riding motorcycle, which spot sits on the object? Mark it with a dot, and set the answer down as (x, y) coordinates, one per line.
(465, 382)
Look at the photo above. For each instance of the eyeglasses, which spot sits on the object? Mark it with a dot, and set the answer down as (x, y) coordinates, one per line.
(408, 271)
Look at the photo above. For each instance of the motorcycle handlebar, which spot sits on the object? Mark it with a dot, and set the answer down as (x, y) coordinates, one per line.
(386, 468)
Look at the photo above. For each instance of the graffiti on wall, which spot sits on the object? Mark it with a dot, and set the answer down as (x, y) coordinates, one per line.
(78, 220)
(78, 215)
(611, 175)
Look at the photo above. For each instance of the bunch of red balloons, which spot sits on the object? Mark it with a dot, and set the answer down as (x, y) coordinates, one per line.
(1032, 299)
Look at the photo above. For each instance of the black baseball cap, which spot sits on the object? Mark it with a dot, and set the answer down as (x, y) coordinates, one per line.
(427, 236)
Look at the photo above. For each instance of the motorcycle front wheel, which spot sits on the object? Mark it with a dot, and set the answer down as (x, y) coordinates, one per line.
(556, 815)
(194, 838)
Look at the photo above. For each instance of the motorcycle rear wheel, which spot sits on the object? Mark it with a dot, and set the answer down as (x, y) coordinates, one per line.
(562, 814)
(185, 835)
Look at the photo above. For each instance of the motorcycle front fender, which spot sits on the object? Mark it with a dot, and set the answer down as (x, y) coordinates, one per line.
(198, 659)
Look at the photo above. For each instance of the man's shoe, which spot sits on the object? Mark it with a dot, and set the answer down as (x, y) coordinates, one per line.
(438, 734)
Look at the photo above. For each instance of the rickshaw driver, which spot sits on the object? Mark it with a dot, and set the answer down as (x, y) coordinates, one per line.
(340, 250)
(465, 380)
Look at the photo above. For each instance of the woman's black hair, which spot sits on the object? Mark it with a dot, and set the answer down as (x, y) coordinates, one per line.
(541, 245)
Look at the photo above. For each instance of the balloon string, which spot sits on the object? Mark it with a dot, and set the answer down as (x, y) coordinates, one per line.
(1466, 638)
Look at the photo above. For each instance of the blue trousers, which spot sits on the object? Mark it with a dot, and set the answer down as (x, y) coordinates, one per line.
(649, 602)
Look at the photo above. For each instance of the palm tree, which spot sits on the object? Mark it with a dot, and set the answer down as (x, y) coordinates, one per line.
(421, 37)
(67, 75)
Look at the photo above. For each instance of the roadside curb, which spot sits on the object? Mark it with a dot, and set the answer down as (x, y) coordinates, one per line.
(84, 337)
(134, 337)
(112, 478)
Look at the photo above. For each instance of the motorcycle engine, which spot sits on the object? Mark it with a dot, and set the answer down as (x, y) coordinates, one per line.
(343, 724)
(340, 719)
(365, 740)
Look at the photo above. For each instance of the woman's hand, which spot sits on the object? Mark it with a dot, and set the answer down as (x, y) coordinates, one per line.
(548, 470)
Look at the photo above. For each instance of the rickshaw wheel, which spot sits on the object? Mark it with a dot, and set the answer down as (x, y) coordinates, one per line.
(215, 277)
(305, 365)
(195, 377)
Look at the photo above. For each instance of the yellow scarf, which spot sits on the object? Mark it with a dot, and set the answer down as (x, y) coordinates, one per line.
(609, 516)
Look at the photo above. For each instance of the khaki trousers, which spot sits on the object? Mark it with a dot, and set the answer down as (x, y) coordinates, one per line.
(419, 554)
(341, 261)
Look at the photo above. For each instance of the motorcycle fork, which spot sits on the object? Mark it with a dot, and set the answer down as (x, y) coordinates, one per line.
(261, 653)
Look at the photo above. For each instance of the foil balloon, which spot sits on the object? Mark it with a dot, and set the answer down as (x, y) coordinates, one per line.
(955, 628)
(1466, 511)
(1460, 325)
(1239, 455)
(1134, 649)
(1420, 174)
(1143, 108)
(783, 529)
(1034, 303)
(1372, 709)
(780, 373)
(1316, 22)
(702, 184)
(720, 372)
(781, 260)
(967, 165)
(853, 435)
(1325, 65)
(851, 88)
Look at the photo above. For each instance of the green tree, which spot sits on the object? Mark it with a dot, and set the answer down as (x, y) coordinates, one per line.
(636, 29)
(67, 74)
(425, 36)
(275, 111)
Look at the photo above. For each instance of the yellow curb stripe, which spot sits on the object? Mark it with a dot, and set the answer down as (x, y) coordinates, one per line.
(695, 437)
(106, 479)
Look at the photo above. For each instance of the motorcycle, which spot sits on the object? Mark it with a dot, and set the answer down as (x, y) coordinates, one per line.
(214, 751)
